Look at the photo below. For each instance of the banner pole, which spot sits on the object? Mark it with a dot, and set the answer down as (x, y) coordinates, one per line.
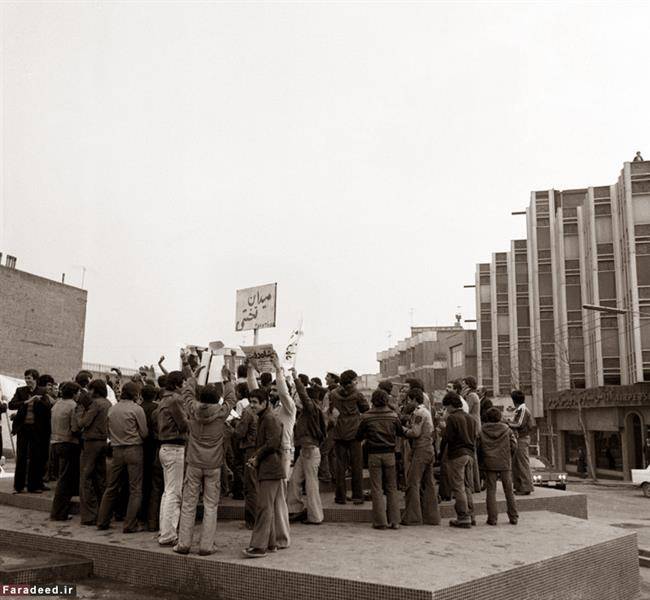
(255, 337)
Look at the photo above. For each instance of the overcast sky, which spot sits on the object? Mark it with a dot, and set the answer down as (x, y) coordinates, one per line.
(364, 156)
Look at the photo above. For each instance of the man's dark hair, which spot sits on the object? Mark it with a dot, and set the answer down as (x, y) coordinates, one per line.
(33, 373)
(348, 377)
(210, 394)
(518, 397)
(471, 382)
(313, 393)
(130, 391)
(452, 399)
(379, 398)
(242, 390)
(242, 371)
(334, 377)
(317, 381)
(43, 380)
(261, 395)
(69, 389)
(416, 394)
(414, 382)
(149, 393)
(304, 379)
(386, 385)
(266, 379)
(83, 378)
(457, 385)
(98, 389)
(174, 381)
(493, 415)
(162, 381)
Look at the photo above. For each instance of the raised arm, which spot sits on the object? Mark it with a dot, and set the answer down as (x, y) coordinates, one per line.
(307, 403)
(161, 360)
(283, 391)
(251, 380)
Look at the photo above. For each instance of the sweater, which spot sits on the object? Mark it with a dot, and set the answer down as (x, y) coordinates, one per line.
(127, 424)
(350, 404)
(460, 434)
(497, 443)
(310, 425)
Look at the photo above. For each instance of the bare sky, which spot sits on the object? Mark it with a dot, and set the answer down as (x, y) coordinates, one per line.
(364, 156)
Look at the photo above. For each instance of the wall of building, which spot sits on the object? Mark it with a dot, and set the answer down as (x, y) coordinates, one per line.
(42, 325)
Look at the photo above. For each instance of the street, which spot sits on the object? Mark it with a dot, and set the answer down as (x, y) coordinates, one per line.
(620, 506)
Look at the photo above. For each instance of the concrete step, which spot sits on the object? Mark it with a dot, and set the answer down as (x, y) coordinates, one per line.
(28, 566)
(644, 558)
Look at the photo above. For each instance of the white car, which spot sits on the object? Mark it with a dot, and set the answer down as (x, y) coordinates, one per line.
(641, 477)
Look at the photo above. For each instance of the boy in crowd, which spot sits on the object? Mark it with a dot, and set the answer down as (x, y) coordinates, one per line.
(267, 461)
(204, 457)
(65, 444)
(497, 443)
(460, 442)
(93, 423)
(379, 428)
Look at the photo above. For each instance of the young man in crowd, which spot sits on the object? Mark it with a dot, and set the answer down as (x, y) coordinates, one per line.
(309, 434)
(267, 461)
(93, 423)
(460, 442)
(285, 412)
(172, 428)
(457, 387)
(497, 443)
(523, 424)
(346, 405)
(65, 445)
(327, 468)
(127, 429)
(474, 410)
(421, 496)
(379, 427)
(152, 474)
(245, 434)
(204, 458)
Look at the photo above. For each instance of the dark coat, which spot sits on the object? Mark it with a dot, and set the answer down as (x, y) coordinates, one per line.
(267, 446)
(380, 428)
(42, 417)
(310, 424)
(497, 443)
(21, 395)
(349, 403)
(460, 434)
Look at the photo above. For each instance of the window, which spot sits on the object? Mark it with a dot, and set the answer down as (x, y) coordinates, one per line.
(609, 454)
(485, 293)
(503, 325)
(573, 444)
(603, 230)
(456, 355)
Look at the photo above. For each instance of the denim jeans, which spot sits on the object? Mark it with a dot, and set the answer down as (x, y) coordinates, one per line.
(67, 456)
(383, 477)
(349, 453)
(92, 481)
(521, 477)
(172, 460)
(306, 469)
(421, 496)
(268, 498)
(461, 476)
(491, 498)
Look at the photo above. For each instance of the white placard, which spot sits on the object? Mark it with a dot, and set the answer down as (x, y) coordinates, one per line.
(256, 307)
(263, 356)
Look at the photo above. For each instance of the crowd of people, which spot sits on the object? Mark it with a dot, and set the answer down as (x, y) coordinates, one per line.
(267, 439)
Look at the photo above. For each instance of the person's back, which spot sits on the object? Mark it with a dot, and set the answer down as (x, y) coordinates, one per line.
(460, 434)
(350, 404)
(379, 427)
(126, 424)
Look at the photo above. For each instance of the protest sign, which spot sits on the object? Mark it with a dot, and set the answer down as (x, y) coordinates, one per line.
(292, 347)
(255, 307)
(263, 356)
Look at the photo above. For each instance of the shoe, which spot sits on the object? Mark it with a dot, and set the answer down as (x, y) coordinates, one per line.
(89, 523)
(17, 492)
(103, 527)
(297, 517)
(181, 550)
(358, 501)
(393, 526)
(207, 552)
(166, 544)
(152, 528)
(367, 496)
(45, 489)
(473, 522)
(254, 552)
(379, 527)
(137, 529)
(522, 493)
(514, 521)
(34, 491)
(460, 524)
(272, 549)
(339, 501)
(60, 518)
(306, 522)
(490, 522)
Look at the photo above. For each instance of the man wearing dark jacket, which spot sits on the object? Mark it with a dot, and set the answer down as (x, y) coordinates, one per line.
(93, 423)
(380, 427)
(497, 443)
(460, 442)
(267, 461)
(308, 435)
(204, 457)
(152, 474)
(246, 433)
(347, 404)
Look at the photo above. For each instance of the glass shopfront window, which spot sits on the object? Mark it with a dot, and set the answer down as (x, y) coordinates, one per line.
(573, 442)
(609, 452)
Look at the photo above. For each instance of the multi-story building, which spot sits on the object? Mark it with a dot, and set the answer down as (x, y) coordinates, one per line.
(42, 324)
(435, 355)
(568, 309)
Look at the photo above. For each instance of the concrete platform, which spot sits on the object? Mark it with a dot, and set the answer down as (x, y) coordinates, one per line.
(562, 502)
(546, 557)
(22, 565)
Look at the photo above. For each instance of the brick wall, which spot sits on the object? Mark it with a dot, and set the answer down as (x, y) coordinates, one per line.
(42, 325)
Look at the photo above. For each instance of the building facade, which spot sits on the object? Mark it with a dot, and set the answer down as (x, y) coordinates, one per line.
(435, 355)
(569, 307)
(42, 324)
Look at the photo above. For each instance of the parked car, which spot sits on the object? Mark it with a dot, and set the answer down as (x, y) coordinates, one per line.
(544, 475)
(641, 477)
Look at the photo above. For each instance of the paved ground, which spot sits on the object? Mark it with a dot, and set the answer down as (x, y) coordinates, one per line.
(622, 506)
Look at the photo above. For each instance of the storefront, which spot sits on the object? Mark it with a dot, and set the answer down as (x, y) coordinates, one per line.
(617, 423)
